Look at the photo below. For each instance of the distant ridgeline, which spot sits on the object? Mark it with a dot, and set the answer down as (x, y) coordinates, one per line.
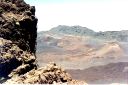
(83, 31)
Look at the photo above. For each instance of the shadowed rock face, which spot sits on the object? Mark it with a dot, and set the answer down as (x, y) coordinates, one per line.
(18, 34)
(18, 23)
(11, 56)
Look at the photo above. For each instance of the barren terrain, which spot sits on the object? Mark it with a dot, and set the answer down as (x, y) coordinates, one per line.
(98, 58)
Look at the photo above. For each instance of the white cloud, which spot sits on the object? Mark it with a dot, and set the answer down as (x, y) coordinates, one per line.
(96, 16)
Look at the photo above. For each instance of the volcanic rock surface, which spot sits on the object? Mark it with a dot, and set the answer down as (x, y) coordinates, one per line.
(12, 60)
(18, 23)
(50, 74)
(17, 38)
(18, 34)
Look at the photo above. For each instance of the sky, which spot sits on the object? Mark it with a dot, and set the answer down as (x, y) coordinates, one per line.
(98, 15)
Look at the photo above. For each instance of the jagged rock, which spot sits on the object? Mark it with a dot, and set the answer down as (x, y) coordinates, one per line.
(18, 34)
(51, 74)
(18, 23)
(11, 56)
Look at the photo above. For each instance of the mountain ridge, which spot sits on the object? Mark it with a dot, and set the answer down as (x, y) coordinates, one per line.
(84, 31)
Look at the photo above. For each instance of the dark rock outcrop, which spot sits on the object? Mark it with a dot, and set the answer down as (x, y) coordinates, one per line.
(12, 58)
(18, 23)
(18, 34)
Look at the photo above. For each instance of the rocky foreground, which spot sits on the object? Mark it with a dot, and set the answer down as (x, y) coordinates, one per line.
(17, 48)
(50, 74)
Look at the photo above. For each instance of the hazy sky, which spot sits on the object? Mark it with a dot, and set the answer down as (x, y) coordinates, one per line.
(98, 15)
